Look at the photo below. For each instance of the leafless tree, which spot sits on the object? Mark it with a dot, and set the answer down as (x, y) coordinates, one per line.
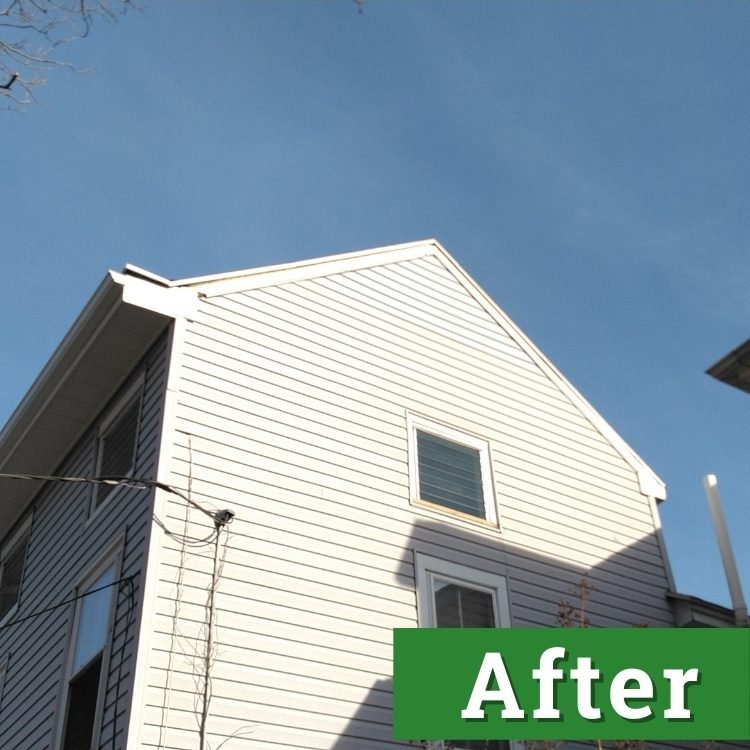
(31, 33)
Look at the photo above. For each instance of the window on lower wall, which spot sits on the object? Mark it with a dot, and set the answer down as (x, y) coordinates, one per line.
(88, 657)
(117, 443)
(450, 469)
(456, 596)
(12, 562)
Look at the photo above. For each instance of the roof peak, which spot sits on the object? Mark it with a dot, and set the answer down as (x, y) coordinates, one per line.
(313, 266)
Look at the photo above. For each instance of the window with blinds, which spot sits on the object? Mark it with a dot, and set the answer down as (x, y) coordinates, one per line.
(450, 469)
(455, 596)
(450, 474)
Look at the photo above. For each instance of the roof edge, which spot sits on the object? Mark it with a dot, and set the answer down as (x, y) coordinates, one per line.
(649, 482)
(114, 291)
(101, 302)
(254, 278)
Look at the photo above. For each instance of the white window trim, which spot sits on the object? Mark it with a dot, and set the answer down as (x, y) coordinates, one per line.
(133, 393)
(8, 545)
(113, 558)
(414, 423)
(428, 567)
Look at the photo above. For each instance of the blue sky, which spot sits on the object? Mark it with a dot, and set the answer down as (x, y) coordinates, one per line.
(588, 163)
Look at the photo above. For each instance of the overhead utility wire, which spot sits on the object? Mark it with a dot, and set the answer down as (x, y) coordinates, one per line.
(134, 482)
(67, 601)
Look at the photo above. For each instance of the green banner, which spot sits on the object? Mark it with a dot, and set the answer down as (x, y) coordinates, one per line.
(572, 684)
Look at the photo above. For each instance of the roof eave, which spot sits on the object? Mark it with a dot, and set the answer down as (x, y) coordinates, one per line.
(121, 321)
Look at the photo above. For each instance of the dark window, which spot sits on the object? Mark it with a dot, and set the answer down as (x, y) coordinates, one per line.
(82, 696)
(89, 646)
(11, 573)
(117, 446)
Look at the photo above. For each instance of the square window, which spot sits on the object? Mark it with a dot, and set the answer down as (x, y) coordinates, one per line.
(456, 596)
(12, 561)
(117, 444)
(450, 469)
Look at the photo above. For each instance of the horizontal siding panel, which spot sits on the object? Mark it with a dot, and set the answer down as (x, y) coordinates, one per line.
(228, 469)
(278, 716)
(226, 364)
(377, 586)
(285, 638)
(278, 692)
(338, 338)
(246, 662)
(468, 327)
(313, 440)
(337, 345)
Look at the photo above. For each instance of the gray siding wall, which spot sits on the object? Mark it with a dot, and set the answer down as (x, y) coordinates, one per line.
(292, 412)
(64, 546)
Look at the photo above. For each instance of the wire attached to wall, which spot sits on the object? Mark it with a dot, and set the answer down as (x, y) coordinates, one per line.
(134, 482)
(221, 520)
(66, 602)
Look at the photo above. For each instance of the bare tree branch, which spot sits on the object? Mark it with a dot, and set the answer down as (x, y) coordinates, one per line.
(31, 31)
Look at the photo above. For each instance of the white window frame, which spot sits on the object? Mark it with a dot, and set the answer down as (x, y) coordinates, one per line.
(427, 568)
(111, 560)
(132, 394)
(4, 550)
(416, 423)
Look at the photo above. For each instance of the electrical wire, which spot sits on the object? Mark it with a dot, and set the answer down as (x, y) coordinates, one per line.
(66, 602)
(129, 618)
(134, 482)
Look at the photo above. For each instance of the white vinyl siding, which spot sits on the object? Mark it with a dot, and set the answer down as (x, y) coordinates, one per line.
(291, 407)
(64, 543)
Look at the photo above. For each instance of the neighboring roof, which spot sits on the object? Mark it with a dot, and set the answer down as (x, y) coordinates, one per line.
(692, 612)
(734, 368)
(130, 310)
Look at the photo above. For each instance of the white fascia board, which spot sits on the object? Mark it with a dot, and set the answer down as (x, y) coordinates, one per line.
(649, 483)
(256, 278)
(169, 301)
(133, 270)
